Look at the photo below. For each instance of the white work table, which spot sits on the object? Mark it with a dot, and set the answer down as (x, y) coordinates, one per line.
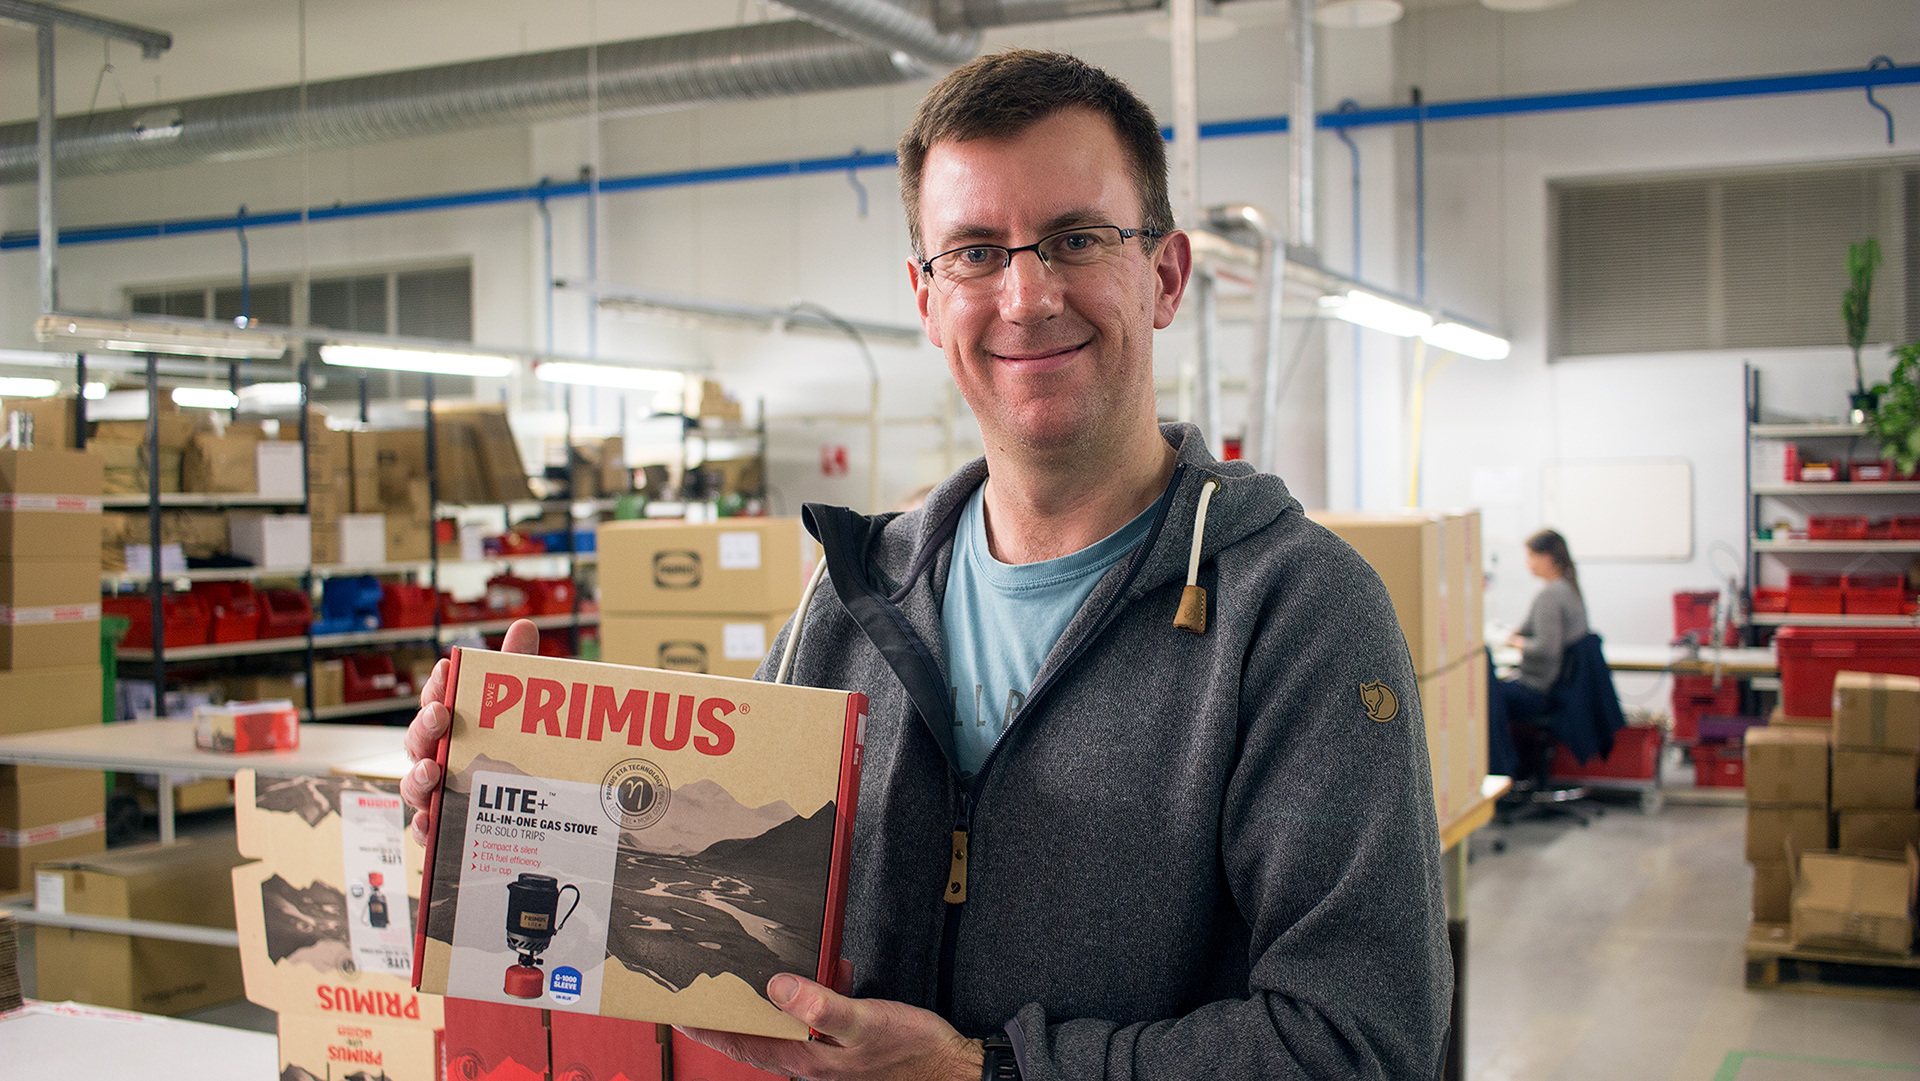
(1629, 657)
(63, 1039)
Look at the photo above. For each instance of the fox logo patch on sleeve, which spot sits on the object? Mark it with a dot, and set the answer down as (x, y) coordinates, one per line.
(1380, 701)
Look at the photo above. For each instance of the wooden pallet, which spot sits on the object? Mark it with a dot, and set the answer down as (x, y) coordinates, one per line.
(1774, 964)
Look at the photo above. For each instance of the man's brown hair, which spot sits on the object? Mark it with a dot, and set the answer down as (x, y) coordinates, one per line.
(1002, 95)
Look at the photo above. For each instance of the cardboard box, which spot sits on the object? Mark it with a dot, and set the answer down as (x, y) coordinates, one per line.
(317, 1046)
(241, 727)
(1873, 780)
(491, 1041)
(329, 683)
(185, 882)
(408, 539)
(224, 463)
(48, 814)
(714, 645)
(46, 698)
(1430, 564)
(733, 566)
(1872, 709)
(17, 862)
(1786, 766)
(400, 456)
(1772, 892)
(49, 613)
(49, 503)
(363, 538)
(1770, 828)
(555, 785)
(363, 460)
(255, 688)
(272, 540)
(52, 420)
(1879, 831)
(176, 428)
(278, 470)
(1453, 706)
(1851, 901)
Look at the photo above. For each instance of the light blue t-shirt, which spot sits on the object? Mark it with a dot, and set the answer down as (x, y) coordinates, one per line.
(1001, 620)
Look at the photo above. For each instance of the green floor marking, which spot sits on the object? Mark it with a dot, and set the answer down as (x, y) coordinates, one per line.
(1730, 1069)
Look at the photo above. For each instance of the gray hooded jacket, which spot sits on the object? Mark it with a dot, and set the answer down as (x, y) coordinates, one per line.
(1190, 855)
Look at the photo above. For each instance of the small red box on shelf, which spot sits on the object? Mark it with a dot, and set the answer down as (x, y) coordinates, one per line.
(508, 598)
(1905, 526)
(1875, 594)
(284, 613)
(1811, 656)
(1871, 470)
(1769, 600)
(233, 608)
(1815, 594)
(1635, 757)
(404, 605)
(1836, 527)
(1719, 765)
(370, 678)
(188, 622)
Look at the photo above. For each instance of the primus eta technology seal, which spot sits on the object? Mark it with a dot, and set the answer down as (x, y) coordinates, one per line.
(635, 794)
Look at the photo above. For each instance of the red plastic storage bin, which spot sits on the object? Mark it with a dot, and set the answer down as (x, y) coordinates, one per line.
(1720, 765)
(1836, 527)
(1769, 600)
(1810, 656)
(1868, 470)
(1815, 594)
(1635, 757)
(1905, 526)
(369, 677)
(1695, 697)
(233, 608)
(1875, 594)
(188, 621)
(508, 598)
(285, 613)
(1693, 612)
(406, 605)
(549, 596)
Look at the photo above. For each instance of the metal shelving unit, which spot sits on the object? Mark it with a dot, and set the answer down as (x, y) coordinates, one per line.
(327, 570)
(1869, 488)
(1838, 547)
(198, 501)
(446, 632)
(1789, 619)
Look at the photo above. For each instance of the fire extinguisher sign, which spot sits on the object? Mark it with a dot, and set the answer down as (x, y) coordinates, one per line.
(379, 927)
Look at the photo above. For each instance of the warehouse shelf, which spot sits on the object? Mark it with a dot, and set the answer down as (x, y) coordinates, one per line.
(330, 570)
(1810, 430)
(202, 500)
(389, 636)
(362, 709)
(1889, 487)
(1791, 619)
(1761, 544)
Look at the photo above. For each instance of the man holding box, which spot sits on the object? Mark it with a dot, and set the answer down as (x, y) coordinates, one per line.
(1146, 790)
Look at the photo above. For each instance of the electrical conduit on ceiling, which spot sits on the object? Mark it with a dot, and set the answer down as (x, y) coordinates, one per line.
(1477, 108)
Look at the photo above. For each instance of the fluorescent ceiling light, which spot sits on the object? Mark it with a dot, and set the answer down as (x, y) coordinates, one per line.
(1358, 14)
(94, 391)
(266, 397)
(1466, 341)
(1525, 5)
(27, 387)
(480, 365)
(1205, 28)
(137, 334)
(205, 398)
(1377, 313)
(609, 375)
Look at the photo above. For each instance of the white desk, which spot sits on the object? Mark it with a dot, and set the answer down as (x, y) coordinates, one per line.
(1739, 661)
(62, 1039)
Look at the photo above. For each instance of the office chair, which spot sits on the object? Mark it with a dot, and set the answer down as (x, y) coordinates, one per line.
(1584, 713)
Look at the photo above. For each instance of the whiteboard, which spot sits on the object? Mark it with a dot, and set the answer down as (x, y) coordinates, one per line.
(1622, 509)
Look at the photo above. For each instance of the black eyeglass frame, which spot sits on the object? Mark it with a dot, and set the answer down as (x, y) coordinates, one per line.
(926, 265)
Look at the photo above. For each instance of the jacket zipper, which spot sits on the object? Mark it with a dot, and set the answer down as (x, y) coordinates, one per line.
(956, 895)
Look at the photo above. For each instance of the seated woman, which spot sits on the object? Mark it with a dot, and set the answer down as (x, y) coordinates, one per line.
(1556, 620)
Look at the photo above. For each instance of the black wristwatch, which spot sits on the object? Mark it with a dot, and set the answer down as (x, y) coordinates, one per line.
(998, 1063)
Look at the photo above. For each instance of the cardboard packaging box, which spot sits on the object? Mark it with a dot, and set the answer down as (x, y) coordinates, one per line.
(400, 457)
(1879, 831)
(1786, 766)
(735, 565)
(48, 814)
(314, 1046)
(40, 699)
(242, 727)
(1430, 564)
(572, 784)
(1853, 901)
(49, 504)
(329, 683)
(1770, 828)
(1453, 706)
(52, 420)
(49, 613)
(713, 645)
(409, 539)
(363, 461)
(1873, 780)
(1875, 710)
(223, 463)
(1772, 892)
(17, 862)
(185, 882)
(272, 540)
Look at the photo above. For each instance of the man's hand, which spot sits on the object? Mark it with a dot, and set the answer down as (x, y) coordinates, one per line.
(861, 1039)
(423, 735)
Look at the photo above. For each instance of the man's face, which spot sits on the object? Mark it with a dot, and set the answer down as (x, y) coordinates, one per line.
(1048, 359)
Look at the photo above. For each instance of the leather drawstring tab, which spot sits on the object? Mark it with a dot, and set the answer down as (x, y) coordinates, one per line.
(1192, 615)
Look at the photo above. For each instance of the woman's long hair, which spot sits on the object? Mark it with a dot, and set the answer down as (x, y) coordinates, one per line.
(1554, 547)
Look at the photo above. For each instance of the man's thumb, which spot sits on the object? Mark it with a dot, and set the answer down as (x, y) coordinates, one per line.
(522, 637)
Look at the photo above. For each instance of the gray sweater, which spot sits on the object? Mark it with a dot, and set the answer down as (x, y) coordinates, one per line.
(1557, 619)
(1191, 855)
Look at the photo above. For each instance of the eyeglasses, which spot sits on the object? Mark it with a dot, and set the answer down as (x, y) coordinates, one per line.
(979, 265)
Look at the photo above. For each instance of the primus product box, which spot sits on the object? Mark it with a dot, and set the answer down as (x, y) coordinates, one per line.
(637, 843)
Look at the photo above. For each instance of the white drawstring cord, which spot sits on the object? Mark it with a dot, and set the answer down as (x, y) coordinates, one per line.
(1192, 615)
(800, 620)
(1199, 530)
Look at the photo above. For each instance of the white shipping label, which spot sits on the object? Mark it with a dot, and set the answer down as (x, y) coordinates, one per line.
(541, 852)
(379, 928)
(743, 641)
(50, 892)
(740, 551)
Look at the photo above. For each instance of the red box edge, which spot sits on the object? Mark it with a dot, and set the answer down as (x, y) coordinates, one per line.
(433, 820)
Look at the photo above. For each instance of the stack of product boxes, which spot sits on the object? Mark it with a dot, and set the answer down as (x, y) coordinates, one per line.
(390, 480)
(1430, 562)
(49, 651)
(329, 483)
(699, 598)
(1832, 818)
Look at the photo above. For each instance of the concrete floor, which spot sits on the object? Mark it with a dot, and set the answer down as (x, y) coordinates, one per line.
(1613, 953)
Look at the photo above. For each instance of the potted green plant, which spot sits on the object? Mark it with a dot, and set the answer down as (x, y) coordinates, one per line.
(1862, 260)
(1894, 418)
